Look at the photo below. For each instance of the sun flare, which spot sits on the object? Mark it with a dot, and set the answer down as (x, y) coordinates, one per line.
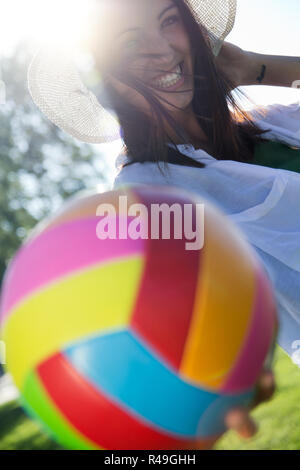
(42, 21)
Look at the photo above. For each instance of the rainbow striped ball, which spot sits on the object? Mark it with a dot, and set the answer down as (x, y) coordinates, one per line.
(135, 343)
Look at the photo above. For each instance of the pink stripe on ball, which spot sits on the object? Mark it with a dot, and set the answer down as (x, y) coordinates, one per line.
(59, 252)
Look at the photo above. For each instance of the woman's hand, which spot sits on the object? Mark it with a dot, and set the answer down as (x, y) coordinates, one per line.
(239, 419)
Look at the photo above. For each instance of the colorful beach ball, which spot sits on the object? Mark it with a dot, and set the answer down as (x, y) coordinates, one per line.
(135, 342)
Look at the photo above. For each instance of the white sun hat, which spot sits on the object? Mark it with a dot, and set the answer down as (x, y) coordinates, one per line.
(58, 89)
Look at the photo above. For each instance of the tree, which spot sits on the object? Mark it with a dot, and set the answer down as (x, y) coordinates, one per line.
(40, 166)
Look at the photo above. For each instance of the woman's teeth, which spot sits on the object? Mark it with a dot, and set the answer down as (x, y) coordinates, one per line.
(170, 79)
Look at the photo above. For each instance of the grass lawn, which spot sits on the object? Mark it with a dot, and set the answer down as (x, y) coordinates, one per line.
(279, 419)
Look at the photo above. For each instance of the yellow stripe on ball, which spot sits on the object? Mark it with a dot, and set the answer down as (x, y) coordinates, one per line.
(71, 309)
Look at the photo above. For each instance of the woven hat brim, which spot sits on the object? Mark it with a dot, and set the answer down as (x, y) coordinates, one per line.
(218, 17)
(57, 89)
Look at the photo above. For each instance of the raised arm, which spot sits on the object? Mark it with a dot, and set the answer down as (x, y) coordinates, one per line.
(249, 68)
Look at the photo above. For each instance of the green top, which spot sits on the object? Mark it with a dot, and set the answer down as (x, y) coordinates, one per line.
(276, 155)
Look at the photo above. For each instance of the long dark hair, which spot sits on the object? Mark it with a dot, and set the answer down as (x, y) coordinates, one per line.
(230, 132)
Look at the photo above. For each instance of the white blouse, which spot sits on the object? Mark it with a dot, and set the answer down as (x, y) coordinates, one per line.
(264, 202)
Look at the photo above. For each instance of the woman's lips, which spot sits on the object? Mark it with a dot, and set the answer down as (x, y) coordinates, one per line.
(170, 80)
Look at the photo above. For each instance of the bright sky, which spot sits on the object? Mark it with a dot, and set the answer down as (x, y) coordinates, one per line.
(38, 20)
(265, 26)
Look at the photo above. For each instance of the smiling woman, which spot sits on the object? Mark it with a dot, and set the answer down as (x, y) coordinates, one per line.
(173, 97)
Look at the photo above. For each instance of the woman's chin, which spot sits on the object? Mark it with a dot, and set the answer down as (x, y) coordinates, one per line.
(176, 106)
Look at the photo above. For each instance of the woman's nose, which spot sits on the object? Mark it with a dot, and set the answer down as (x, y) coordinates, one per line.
(158, 48)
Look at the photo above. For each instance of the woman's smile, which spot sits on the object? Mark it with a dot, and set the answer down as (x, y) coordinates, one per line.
(172, 80)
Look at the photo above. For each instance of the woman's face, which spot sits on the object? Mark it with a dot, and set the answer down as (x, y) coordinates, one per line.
(147, 40)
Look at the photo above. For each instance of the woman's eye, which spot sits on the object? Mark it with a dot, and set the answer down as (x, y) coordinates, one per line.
(170, 20)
